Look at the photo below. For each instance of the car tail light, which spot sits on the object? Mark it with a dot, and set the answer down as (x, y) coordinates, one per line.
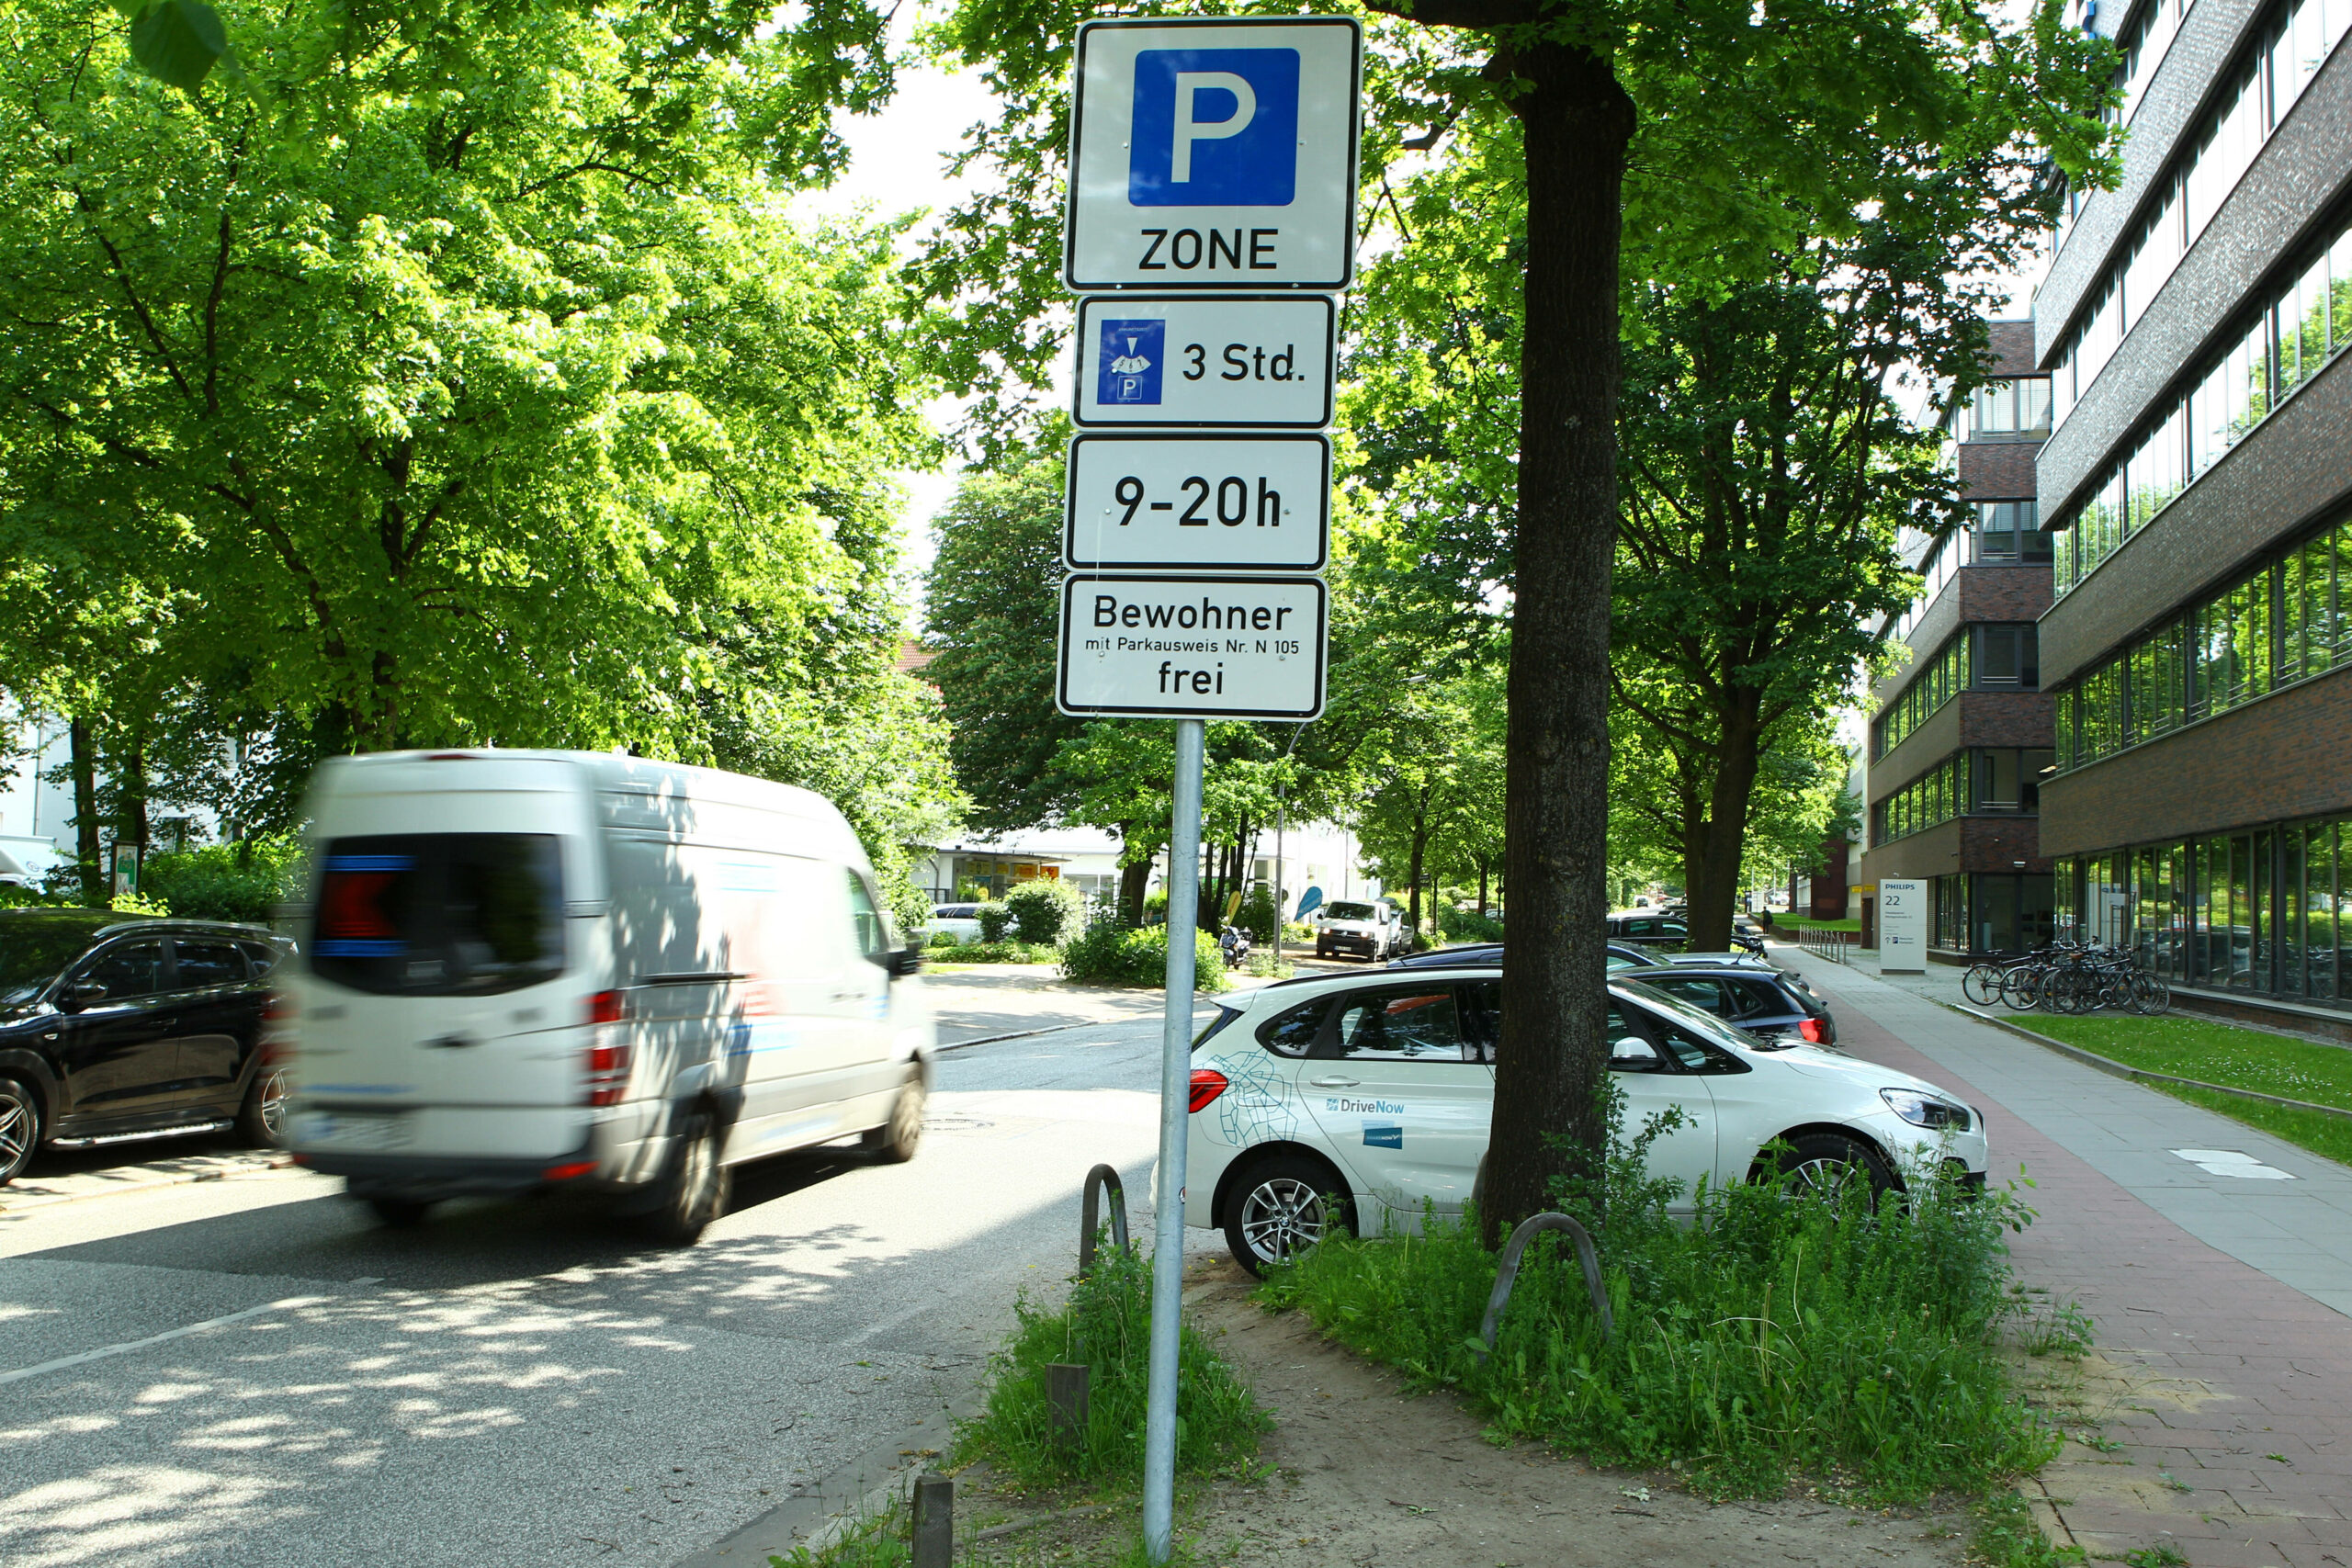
(608, 1051)
(278, 1017)
(1811, 1029)
(1207, 1084)
(567, 1171)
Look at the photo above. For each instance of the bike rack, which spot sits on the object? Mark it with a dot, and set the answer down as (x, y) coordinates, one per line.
(1508, 1275)
(1089, 1218)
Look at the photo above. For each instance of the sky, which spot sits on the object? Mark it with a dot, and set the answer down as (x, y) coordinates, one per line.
(898, 163)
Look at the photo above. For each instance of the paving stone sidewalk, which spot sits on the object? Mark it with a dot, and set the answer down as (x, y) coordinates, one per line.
(2223, 1359)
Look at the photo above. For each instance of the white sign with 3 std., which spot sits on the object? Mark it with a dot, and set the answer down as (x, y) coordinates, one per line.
(1236, 503)
(1214, 154)
(1192, 647)
(1248, 361)
(1902, 927)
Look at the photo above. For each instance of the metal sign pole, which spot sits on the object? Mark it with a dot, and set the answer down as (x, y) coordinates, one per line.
(1175, 1126)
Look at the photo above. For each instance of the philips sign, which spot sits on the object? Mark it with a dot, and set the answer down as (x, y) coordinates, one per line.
(1215, 154)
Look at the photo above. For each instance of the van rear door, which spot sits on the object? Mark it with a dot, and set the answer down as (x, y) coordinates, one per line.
(445, 973)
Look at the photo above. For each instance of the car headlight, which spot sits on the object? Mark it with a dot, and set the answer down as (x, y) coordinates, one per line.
(1927, 1110)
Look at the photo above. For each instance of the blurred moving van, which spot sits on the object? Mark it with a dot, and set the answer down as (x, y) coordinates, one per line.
(527, 970)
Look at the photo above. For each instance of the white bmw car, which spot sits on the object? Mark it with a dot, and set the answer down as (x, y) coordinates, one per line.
(1378, 1090)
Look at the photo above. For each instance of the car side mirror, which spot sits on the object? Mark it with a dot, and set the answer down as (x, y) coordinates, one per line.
(1631, 1050)
(79, 994)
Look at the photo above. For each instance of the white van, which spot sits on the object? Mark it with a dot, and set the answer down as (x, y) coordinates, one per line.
(525, 970)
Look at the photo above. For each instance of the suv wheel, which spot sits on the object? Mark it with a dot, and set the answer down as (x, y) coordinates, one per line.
(261, 1122)
(1825, 1165)
(19, 1129)
(1283, 1205)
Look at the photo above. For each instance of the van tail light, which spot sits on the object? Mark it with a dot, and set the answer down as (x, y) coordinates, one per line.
(1207, 1084)
(1811, 1029)
(608, 1050)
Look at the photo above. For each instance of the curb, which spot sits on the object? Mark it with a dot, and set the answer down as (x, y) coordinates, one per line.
(2140, 1074)
(32, 1202)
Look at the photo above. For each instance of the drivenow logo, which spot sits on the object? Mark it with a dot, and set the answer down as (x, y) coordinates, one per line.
(1214, 127)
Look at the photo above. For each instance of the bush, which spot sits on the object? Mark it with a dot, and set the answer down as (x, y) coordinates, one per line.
(1045, 910)
(1107, 1326)
(993, 953)
(1467, 925)
(1779, 1334)
(995, 921)
(1108, 955)
(226, 882)
(1155, 909)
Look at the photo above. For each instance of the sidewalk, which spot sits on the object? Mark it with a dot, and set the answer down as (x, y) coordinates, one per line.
(2220, 1301)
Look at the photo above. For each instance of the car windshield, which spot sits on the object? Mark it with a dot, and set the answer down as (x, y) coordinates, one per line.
(31, 957)
(1350, 912)
(440, 914)
(1700, 1021)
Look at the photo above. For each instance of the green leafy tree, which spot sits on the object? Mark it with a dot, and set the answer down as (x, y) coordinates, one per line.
(468, 354)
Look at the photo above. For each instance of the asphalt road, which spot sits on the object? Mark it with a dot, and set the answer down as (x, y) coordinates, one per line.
(524, 1384)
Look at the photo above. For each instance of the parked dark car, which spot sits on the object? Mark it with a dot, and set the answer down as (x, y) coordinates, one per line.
(1762, 1002)
(1667, 933)
(113, 1025)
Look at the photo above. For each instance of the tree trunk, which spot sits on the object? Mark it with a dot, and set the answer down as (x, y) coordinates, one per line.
(1577, 122)
(83, 762)
(134, 800)
(1711, 868)
(1134, 882)
(1482, 888)
(1420, 839)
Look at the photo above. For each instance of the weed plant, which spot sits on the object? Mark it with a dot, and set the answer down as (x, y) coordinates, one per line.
(1779, 1334)
(1106, 1326)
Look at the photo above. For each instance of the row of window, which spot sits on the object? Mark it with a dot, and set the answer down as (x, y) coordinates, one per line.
(2291, 620)
(2141, 43)
(2269, 910)
(1939, 681)
(1987, 657)
(1983, 780)
(2299, 329)
(2020, 407)
(2297, 41)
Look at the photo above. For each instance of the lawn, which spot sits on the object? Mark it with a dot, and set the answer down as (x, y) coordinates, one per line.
(2225, 1053)
(1806, 922)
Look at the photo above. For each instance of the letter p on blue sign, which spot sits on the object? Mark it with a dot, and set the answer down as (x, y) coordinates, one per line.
(1214, 127)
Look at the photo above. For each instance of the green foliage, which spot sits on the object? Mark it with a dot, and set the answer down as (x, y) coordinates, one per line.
(995, 919)
(1009, 952)
(1107, 954)
(226, 882)
(1258, 914)
(2008, 1537)
(1467, 925)
(1779, 1334)
(138, 904)
(2212, 1052)
(15, 896)
(1045, 910)
(1106, 1326)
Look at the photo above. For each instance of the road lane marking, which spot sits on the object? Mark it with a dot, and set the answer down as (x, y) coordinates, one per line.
(128, 1346)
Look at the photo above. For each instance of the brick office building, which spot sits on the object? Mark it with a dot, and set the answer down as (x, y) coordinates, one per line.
(2197, 483)
(1962, 736)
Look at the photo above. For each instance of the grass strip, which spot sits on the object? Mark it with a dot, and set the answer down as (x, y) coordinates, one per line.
(2225, 1053)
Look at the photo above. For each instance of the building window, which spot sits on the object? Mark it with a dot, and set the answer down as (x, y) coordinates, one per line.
(2008, 657)
(2010, 531)
(2010, 408)
(1942, 678)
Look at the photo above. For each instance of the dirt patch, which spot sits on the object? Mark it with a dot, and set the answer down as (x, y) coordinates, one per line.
(1364, 1470)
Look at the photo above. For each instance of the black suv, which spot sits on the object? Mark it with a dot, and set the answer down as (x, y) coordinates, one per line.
(112, 1024)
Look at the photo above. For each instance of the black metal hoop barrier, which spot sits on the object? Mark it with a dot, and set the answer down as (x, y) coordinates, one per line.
(1098, 1181)
(1529, 1229)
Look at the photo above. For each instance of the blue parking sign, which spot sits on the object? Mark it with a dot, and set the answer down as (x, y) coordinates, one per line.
(1214, 127)
(1128, 366)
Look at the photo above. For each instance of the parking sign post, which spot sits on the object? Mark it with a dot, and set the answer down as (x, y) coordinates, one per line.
(1212, 216)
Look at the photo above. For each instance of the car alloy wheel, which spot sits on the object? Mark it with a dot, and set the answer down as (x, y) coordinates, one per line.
(20, 1128)
(1281, 1216)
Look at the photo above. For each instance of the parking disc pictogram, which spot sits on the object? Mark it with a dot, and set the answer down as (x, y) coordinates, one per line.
(1214, 153)
(1198, 361)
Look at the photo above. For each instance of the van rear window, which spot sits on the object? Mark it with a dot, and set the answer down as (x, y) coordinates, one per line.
(439, 914)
